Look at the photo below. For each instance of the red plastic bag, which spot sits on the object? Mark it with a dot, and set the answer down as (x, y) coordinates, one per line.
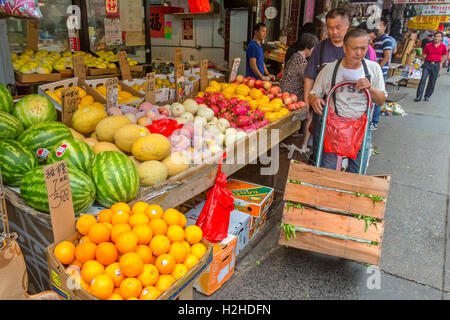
(344, 136)
(215, 216)
(196, 6)
(164, 126)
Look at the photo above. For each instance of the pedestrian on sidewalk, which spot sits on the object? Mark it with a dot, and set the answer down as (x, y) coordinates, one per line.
(350, 101)
(434, 55)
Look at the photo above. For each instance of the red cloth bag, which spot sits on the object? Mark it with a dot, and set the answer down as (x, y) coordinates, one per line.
(196, 6)
(215, 216)
(164, 126)
(344, 136)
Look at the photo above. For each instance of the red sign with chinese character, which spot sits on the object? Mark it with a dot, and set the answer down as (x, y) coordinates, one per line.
(112, 8)
(157, 20)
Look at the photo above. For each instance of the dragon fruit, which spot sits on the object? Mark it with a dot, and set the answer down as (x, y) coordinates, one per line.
(259, 115)
(241, 109)
(228, 116)
(243, 121)
(234, 101)
(200, 100)
(233, 125)
(215, 109)
(223, 106)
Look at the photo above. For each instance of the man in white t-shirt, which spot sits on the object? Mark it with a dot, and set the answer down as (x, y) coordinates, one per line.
(351, 101)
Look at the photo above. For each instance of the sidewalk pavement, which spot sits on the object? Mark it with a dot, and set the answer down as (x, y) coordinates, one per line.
(415, 258)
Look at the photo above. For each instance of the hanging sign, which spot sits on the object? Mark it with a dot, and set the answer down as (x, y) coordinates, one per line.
(234, 69)
(427, 22)
(150, 88)
(157, 22)
(113, 33)
(124, 66)
(112, 92)
(112, 8)
(433, 10)
(130, 13)
(188, 29)
(420, 1)
(69, 99)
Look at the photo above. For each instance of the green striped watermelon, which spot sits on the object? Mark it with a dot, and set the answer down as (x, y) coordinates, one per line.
(15, 161)
(10, 127)
(34, 190)
(76, 153)
(115, 178)
(6, 100)
(41, 137)
(34, 109)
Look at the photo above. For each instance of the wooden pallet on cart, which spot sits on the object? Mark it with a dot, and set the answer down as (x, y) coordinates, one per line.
(330, 212)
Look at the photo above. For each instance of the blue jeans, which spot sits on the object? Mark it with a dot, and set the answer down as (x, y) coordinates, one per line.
(377, 108)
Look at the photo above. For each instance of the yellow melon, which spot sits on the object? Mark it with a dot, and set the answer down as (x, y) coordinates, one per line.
(76, 135)
(90, 141)
(152, 147)
(86, 120)
(151, 172)
(105, 146)
(106, 128)
(128, 134)
(135, 161)
(176, 163)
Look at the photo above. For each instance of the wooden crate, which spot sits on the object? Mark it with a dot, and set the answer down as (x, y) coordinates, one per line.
(36, 77)
(325, 206)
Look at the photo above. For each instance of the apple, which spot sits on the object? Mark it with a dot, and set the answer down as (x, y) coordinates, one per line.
(279, 96)
(240, 78)
(249, 78)
(251, 83)
(293, 97)
(274, 90)
(301, 104)
(163, 111)
(236, 82)
(258, 84)
(291, 107)
(271, 96)
(267, 85)
(287, 100)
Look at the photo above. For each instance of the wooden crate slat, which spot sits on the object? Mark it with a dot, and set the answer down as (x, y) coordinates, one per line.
(332, 223)
(346, 249)
(334, 200)
(339, 180)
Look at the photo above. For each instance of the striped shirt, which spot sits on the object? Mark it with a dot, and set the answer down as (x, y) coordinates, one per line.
(381, 44)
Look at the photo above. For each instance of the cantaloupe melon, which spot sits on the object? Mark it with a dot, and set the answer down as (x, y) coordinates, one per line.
(176, 163)
(105, 146)
(151, 172)
(135, 161)
(85, 120)
(128, 134)
(90, 141)
(152, 147)
(76, 135)
(106, 128)
(93, 135)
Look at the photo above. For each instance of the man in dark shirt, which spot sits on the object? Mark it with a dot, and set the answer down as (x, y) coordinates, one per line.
(255, 67)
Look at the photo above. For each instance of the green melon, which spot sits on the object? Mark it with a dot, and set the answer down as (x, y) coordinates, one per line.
(41, 137)
(76, 153)
(6, 100)
(115, 178)
(15, 162)
(34, 190)
(10, 127)
(34, 109)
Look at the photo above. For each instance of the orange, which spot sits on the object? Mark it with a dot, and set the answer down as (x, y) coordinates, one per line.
(102, 286)
(159, 226)
(150, 293)
(121, 207)
(115, 296)
(82, 283)
(188, 247)
(118, 229)
(183, 220)
(130, 288)
(106, 253)
(117, 290)
(127, 242)
(165, 263)
(145, 253)
(99, 233)
(160, 244)
(149, 275)
(172, 216)
(154, 211)
(76, 263)
(65, 252)
(175, 233)
(119, 217)
(131, 264)
(190, 261)
(198, 250)
(104, 216)
(84, 223)
(143, 232)
(133, 298)
(85, 251)
(113, 270)
(84, 238)
(91, 269)
(193, 234)
(179, 271)
(139, 207)
(137, 219)
(178, 251)
(164, 282)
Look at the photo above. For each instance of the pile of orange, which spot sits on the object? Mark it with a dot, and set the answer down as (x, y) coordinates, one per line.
(131, 253)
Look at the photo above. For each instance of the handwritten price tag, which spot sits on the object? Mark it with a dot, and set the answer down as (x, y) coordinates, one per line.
(79, 70)
(178, 56)
(69, 105)
(32, 34)
(234, 69)
(60, 200)
(112, 93)
(179, 83)
(203, 74)
(150, 89)
(124, 66)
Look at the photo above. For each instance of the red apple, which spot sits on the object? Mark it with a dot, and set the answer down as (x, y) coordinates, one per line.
(163, 111)
(258, 84)
(293, 97)
(287, 100)
(291, 107)
(279, 96)
(251, 83)
(236, 82)
(274, 90)
(267, 85)
(301, 104)
(286, 94)
(271, 96)
(262, 90)
(240, 78)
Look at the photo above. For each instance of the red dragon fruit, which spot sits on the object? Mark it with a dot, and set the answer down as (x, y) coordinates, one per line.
(243, 121)
(215, 109)
(228, 116)
(223, 106)
(211, 98)
(234, 101)
(233, 125)
(200, 100)
(241, 109)
(259, 115)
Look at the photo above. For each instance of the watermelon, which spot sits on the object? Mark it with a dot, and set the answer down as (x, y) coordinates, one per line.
(76, 153)
(6, 100)
(34, 190)
(115, 178)
(10, 127)
(34, 109)
(15, 161)
(41, 137)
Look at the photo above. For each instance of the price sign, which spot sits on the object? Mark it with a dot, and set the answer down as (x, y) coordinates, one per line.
(32, 34)
(60, 202)
(112, 93)
(180, 91)
(150, 90)
(203, 74)
(178, 57)
(124, 66)
(234, 69)
(69, 99)
(79, 70)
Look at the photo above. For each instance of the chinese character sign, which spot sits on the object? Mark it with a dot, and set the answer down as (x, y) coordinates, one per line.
(112, 8)
(157, 22)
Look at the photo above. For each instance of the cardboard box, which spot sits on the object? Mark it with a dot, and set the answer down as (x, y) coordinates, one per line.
(221, 267)
(98, 82)
(258, 224)
(250, 198)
